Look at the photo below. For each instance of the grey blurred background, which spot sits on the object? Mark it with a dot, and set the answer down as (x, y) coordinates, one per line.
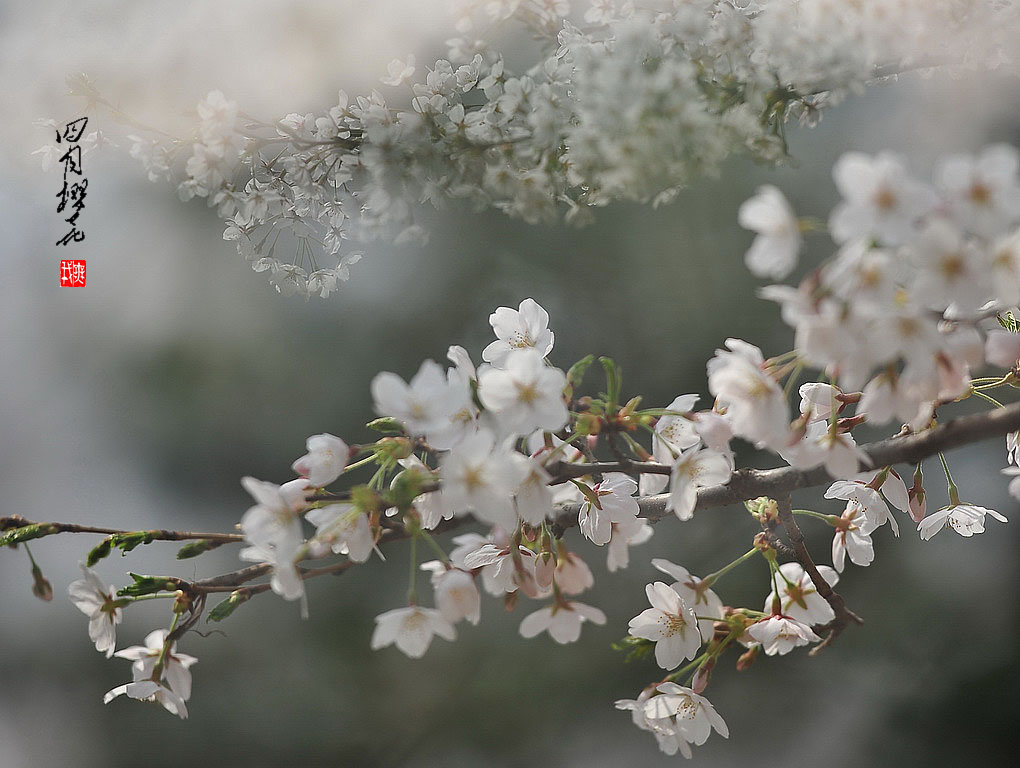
(141, 400)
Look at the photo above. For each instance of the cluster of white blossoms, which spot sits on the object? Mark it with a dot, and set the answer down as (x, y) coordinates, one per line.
(903, 312)
(919, 295)
(159, 673)
(622, 100)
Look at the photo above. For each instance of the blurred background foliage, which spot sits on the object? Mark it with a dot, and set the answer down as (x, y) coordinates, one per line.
(142, 399)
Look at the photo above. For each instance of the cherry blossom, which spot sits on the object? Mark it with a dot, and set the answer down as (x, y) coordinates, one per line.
(503, 570)
(325, 461)
(837, 451)
(670, 623)
(818, 400)
(950, 268)
(626, 534)
(904, 311)
(457, 596)
(853, 538)
(591, 116)
(754, 401)
(1002, 348)
(714, 430)
(478, 476)
(673, 433)
(696, 593)
(424, 405)
(775, 249)
(97, 601)
(879, 199)
(526, 327)
(778, 635)
(984, 191)
(1014, 484)
(662, 728)
(615, 504)
(400, 72)
(561, 620)
(273, 528)
(572, 574)
(868, 498)
(344, 529)
(798, 597)
(693, 469)
(431, 506)
(410, 629)
(525, 394)
(533, 498)
(160, 674)
(693, 715)
(965, 519)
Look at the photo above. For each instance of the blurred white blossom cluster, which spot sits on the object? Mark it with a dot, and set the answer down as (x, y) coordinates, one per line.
(903, 308)
(621, 101)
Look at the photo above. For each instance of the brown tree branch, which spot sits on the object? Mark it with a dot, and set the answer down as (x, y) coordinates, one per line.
(744, 484)
(17, 521)
(221, 583)
(747, 484)
(843, 616)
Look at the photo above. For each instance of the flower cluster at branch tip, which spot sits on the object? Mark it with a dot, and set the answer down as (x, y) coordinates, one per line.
(160, 674)
(622, 100)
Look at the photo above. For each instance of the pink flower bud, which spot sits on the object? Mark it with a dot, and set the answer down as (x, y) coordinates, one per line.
(545, 569)
(702, 676)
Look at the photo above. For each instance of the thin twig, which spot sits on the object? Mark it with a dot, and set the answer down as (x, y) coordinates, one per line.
(17, 521)
(843, 617)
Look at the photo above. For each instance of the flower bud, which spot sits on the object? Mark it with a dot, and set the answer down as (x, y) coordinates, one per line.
(227, 607)
(916, 497)
(41, 586)
(702, 676)
(394, 447)
(747, 658)
(545, 570)
(385, 425)
(763, 508)
(510, 600)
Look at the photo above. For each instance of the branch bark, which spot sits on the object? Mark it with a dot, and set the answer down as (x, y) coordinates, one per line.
(843, 616)
(12, 522)
(747, 484)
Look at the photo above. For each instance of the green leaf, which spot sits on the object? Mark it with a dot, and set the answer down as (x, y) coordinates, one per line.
(613, 381)
(125, 542)
(98, 552)
(27, 533)
(589, 493)
(575, 375)
(146, 585)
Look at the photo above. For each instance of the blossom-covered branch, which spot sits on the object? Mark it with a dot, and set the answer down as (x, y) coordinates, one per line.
(918, 297)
